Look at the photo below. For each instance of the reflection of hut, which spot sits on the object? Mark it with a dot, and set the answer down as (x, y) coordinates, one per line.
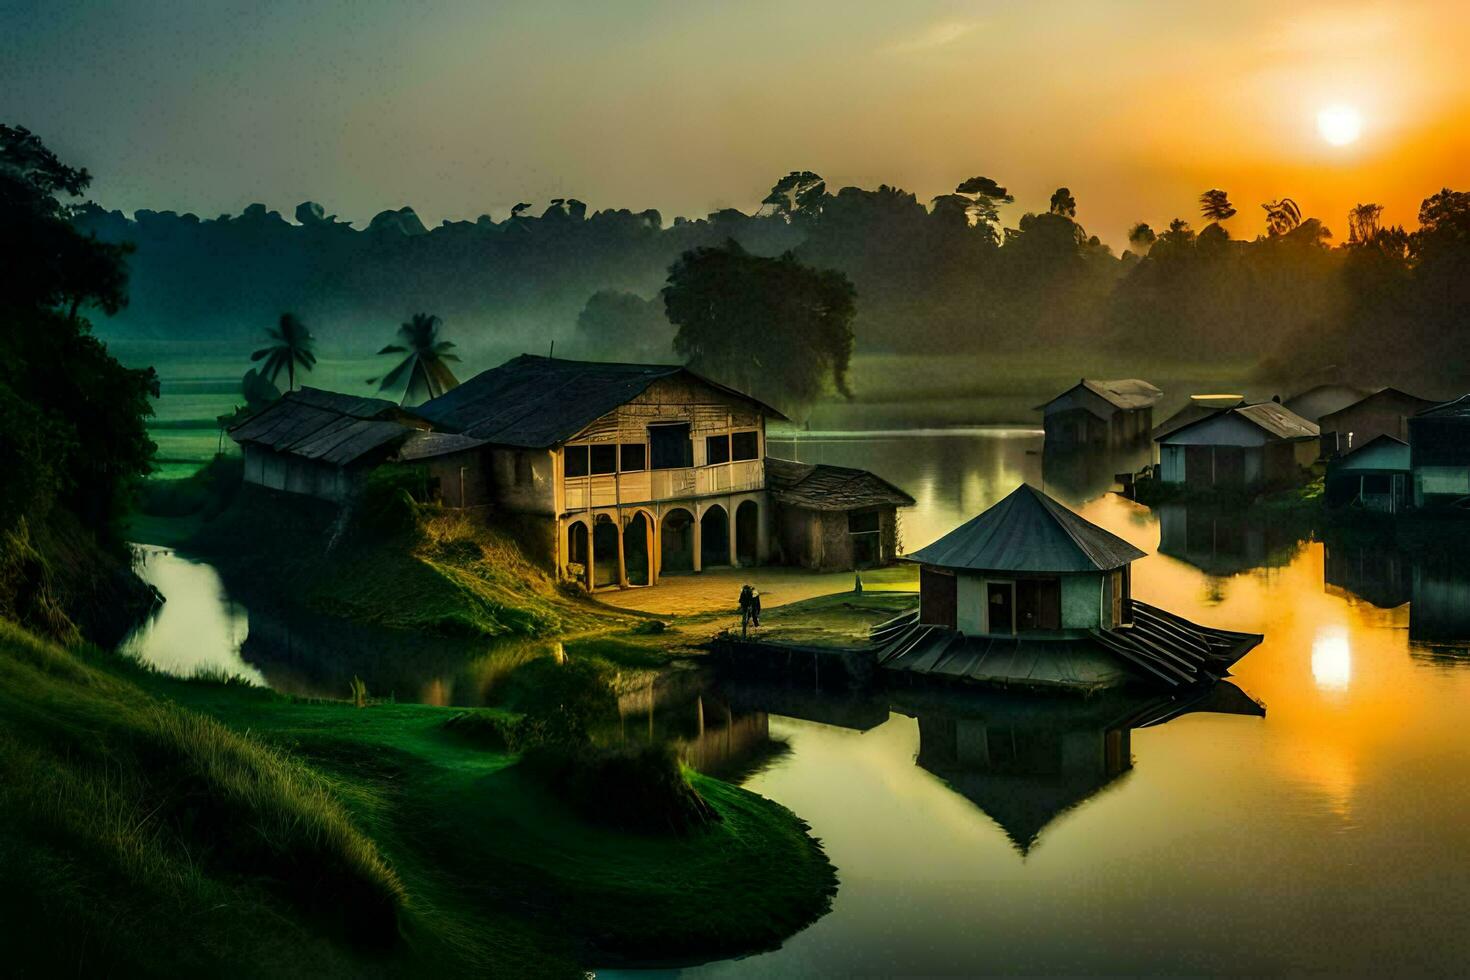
(1107, 413)
(1029, 593)
(1242, 448)
(1384, 413)
(1026, 761)
(1439, 454)
(1225, 542)
(1439, 609)
(1081, 473)
(1375, 476)
(1379, 575)
(833, 517)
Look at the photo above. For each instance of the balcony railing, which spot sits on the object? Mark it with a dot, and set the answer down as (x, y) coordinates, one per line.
(608, 490)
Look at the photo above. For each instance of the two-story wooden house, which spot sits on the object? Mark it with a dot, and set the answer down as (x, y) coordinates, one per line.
(643, 469)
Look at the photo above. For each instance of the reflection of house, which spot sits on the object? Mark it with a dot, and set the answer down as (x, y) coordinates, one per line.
(1108, 413)
(1225, 542)
(1029, 593)
(1245, 447)
(1439, 606)
(320, 443)
(1322, 400)
(833, 517)
(1077, 473)
(1384, 413)
(1379, 575)
(1439, 454)
(1025, 761)
(1374, 476)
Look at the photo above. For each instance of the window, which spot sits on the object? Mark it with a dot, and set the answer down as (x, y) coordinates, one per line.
(745, 445)
(862, 522)
(635, 457)
(716, 449)
(576, 461)
(669, 446)
(605, 458)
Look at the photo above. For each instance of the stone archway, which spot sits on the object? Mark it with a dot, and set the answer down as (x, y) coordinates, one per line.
(676, 550)
(714, 533)
(578, 551)
(637, 542)
(747, 532)
(605, 552)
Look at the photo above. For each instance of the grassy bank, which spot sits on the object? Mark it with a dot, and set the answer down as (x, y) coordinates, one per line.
(151, 823)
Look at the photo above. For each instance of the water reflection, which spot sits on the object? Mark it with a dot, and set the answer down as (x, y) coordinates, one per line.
(1223, 542)
(198, 629)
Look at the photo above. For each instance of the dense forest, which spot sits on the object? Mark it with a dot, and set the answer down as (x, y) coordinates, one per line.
(946, 276)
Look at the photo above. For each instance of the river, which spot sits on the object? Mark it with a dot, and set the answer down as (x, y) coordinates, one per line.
(980, 834)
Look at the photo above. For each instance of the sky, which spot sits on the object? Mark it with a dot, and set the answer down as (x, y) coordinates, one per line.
(460, 109)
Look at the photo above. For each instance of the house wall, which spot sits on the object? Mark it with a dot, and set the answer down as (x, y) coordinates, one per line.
(1439, 456)
(524, 480)
(292, 474)
(820, 540)
(1082, 601)
(464, 480)
(1377, 415)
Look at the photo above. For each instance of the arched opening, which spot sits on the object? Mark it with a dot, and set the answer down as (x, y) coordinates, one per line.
(747, 532)
(714, 534)
(676, 554)
(604, 552)
(577, 544)
(635, 550)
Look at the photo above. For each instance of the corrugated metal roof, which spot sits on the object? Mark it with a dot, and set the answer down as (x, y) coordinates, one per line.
(1459, 408)
(1275, 419)
(1028, 532)
(1190, 413)
(536, 402)
(1124, 393)
(818, 486)
(426, 445)
(322, 425)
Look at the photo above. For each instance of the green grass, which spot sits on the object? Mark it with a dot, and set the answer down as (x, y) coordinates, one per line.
(841, 620)
(171, 826)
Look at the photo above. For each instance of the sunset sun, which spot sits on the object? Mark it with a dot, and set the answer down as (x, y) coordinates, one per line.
(1340, 124)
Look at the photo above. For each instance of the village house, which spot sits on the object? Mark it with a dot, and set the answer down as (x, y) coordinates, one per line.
(1439, 454)
(1386, 412)
(1376, 476)
(1324, 399)
(833, 518)
(1030, 594)
(1243, 448)
(1100, 413)
(1198, 407)
(633, 471)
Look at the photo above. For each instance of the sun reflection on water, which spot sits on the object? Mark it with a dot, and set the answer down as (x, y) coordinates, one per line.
(1332, 660)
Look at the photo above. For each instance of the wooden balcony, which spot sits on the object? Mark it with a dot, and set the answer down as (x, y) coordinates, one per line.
(609, 490)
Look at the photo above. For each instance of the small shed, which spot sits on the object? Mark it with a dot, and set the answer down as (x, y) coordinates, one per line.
(1100, 413)
(1375, 476)
(320, 443)
(1386, 412)
(833, 518)
(1198, 407)
(1246, 447)
(1322, 400)
(1439, 454)
(454, 464)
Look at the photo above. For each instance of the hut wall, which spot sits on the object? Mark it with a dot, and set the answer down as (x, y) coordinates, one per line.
(523, 480)
(1440, 457)
(1082, 601)
(455, 470)
(970, 603)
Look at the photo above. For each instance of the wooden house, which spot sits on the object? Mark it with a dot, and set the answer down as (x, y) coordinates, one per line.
(1386, 412)
(1439, 454)
(833, 518)
(1030, 594)
(1375, 476)
(1198, 407)
(1324, 399)
(1243, 448)
(321, 443)
(1100, 413)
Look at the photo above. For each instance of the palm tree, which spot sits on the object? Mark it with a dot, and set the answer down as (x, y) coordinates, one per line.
(1363, 224)
(1282, 216)
(1215, 205)
(428, 374)
(291, 344)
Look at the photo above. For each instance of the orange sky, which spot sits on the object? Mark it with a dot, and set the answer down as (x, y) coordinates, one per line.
(684, 106)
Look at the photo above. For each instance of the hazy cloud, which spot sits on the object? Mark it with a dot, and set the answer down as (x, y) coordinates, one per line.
(937, 35)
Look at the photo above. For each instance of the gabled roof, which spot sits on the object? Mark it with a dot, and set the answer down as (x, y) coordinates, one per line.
(1322, 400)
(1459, 408)
(427, 445)
(1123, 393)
(1385, 454)
(1276, 420)
(1193, 411)
(1028, 532)
(323, 425)
(1415, 403)
(536, 402)
(818, 486)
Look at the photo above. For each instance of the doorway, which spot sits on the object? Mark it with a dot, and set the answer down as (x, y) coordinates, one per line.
(1000, 605)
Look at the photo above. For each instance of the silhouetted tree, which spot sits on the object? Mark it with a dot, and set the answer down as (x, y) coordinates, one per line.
(799, 193)
(985, 197)
(1282, 216)
(1063, 203)
(1363, 222)
(1214, 205)
(1141, 237)
(770, 326)
(291, 344)
(425, 361)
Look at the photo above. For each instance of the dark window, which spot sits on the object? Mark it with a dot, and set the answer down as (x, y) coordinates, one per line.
(716, 450)
(745, 445)
(576, 461)
(1039, 603)
(635, 457)
(669, 446)
(862, 522)
(604, 458)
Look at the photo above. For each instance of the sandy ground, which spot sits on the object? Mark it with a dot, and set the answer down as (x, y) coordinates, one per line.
(718, 590)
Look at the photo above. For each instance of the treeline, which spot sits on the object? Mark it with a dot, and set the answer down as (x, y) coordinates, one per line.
(946, 276)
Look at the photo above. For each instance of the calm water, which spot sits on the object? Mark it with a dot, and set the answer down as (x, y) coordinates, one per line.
(977, 834)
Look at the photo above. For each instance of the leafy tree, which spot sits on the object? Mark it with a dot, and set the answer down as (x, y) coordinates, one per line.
(1282, 216)
(770, 326)
(985, 197)
(1141, 237)
(798, 194)
(1363, 223)
(1215, 206)
(425, 361)
(1063, 203)
(291, 344)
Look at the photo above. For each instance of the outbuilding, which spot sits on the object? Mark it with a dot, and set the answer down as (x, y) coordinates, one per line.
(1244, 448)
(1375, 476)
(1100, 413)
(1439, 454)
(1386, 412)
(833, 518)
